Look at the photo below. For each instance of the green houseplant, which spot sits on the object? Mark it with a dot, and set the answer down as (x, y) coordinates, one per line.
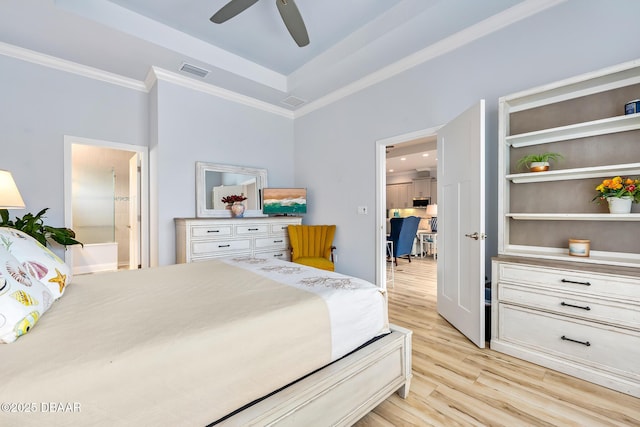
(538, 162)
(34, 226)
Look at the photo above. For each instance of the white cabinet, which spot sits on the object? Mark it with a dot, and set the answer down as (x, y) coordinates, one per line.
(422, 187)
(400, 196)
(578, 315)
(578, 319)
(199, 239)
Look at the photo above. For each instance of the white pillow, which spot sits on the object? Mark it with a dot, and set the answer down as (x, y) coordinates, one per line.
(37, 260)
(23, 299)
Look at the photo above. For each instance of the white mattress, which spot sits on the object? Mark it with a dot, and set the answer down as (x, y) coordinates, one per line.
(182, 345)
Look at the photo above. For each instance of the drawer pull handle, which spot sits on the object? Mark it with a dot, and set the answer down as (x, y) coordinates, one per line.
(253, 229)
(585, 343)
(224, 246)
(278, 255)
(577, 283)
(278, 241)
(213, 231)
(575, 306)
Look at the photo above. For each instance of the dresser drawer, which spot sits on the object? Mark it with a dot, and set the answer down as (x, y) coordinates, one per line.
(572, 281)
(220, 247)
(278, 242)
(282, 254)
(279, 229)
(214, 231)
(578, 305)
(607, 348)
(251, 229)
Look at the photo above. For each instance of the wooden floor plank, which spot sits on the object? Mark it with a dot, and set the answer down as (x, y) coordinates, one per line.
(457, 384)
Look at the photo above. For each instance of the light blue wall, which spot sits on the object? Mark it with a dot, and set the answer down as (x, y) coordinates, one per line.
(194, 126)
(335, 146)
(38, 107)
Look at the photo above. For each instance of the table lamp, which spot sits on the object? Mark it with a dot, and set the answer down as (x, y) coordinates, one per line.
(9, 195)
(432, 210)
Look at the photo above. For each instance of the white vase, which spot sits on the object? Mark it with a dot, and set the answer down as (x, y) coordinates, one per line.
(619, 205)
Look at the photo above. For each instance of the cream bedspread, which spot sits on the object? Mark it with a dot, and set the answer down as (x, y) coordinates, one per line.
(179, 345)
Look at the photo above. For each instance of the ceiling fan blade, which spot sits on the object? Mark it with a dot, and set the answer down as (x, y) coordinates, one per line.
(231, 9)
(293, 20)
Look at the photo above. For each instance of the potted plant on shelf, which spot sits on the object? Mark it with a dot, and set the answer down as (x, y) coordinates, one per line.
(234, 202)
(538, 162)
(619, 192)
(34, 226)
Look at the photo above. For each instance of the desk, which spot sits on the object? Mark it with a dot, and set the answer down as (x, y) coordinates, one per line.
(430, 239)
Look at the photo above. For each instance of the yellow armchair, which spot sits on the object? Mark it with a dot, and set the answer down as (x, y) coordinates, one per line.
(312, 245)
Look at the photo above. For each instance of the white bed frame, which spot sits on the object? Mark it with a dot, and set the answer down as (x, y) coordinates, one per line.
(341, 393)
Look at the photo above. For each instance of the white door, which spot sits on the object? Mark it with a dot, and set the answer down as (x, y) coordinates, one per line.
(461, 229)
(134, 212)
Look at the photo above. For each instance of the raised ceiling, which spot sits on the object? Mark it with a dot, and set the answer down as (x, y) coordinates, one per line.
(353, 43)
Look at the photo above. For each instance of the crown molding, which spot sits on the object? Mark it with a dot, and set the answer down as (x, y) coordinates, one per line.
(514, 14)
(142, 86)
(157, 73)
(70, 67)
(490, 25)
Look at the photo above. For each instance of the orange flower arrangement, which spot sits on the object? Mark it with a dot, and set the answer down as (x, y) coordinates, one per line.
(619, 187)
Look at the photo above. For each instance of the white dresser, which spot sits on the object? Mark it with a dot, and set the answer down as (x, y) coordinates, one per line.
(199, 239)
(583, 320)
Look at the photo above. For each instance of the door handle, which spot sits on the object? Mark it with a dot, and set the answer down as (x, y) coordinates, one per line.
(476, 236)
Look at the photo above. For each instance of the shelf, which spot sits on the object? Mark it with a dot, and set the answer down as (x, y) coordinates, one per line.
(578, 173)
(580, 130)
(561, 254)
(574, 216)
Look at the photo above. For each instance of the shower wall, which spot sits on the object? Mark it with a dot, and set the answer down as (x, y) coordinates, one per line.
(100, 200)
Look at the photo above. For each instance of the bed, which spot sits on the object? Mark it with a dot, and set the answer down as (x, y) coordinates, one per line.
(242, 341)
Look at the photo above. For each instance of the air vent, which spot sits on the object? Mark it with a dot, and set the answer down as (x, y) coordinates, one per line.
(293, 101)
(192, 69)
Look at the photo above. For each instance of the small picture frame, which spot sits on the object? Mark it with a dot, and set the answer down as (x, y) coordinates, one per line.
(579, 247)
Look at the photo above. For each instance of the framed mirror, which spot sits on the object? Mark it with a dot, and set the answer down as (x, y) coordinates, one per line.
(215, 181)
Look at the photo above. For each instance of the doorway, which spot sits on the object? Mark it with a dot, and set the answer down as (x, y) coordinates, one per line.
(104, 204)
(415, 142)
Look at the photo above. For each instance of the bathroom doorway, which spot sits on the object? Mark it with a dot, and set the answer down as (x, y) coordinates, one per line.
(104, 184)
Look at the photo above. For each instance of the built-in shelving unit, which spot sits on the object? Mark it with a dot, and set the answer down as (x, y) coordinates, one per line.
(583, 117)
(574, 314)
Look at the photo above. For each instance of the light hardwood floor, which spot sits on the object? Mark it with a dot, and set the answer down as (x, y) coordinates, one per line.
(457, 384)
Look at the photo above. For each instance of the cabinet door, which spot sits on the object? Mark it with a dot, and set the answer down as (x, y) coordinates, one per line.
(392, 196)
(422, 187)
(405, 198)
(434, 191)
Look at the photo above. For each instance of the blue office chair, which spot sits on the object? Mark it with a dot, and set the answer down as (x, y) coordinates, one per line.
(403, 232)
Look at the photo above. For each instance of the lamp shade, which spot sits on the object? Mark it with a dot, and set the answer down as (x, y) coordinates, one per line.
(432, 210)
(9, 195)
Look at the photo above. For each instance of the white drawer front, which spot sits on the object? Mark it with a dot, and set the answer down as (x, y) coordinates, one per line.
(584, 306)
(272, 242)
(213, 231)
(282, 254)
(572, 281)
(221, 246)
(278, 229)
(603, 347)
(250, 229)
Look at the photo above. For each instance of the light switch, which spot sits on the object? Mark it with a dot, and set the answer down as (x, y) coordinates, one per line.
(363, 210)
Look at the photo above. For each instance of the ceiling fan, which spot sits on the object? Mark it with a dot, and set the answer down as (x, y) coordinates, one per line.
(288, 11)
